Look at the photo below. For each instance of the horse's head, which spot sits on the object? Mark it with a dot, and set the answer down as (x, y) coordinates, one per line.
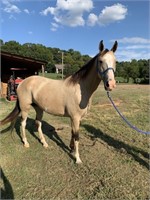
(106, 65)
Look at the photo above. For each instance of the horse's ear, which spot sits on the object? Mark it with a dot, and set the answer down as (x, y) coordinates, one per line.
(101, 46)
(114, 48)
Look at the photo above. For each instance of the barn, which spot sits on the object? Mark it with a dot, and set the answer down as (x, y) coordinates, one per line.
(15, 68)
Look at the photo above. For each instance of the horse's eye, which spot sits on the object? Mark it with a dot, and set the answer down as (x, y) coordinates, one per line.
(100, 62)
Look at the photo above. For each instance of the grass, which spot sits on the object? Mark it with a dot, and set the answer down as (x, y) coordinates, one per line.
(52, 75)
(115, 157)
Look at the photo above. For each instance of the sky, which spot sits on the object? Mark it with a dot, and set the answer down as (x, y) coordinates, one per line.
(79, 25)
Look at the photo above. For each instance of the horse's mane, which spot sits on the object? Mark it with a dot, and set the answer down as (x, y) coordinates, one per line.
(83, 71)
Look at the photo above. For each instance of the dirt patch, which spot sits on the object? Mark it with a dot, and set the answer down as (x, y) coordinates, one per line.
(117, 103)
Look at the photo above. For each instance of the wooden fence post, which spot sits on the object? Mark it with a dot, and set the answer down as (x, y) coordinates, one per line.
(43, 74)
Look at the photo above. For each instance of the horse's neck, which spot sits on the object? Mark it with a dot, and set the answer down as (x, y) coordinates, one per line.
(91, 81)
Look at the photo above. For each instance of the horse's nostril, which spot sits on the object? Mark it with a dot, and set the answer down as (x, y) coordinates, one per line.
(107, 84)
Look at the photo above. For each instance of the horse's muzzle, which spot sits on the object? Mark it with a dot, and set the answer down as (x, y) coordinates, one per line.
(109, 85)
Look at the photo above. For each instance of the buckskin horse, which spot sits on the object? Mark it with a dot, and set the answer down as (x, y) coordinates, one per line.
(69, 97)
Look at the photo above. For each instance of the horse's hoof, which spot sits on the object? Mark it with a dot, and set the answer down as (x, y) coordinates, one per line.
(26, 145)
(78, 162)
(45, 145)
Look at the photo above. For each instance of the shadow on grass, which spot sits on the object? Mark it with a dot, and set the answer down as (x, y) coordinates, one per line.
(7, 191)
(47, 129)
(119, 145)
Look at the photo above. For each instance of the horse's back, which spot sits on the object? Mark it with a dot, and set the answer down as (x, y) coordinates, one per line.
(33, 84)
(30, 83)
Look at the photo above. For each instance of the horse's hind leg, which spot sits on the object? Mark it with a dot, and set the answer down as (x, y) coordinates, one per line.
(23, 125)
(39, 115)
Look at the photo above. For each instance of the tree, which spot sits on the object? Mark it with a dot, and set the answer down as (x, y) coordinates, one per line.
(1, 43)
(126, 70)
(50, 67)
(12, 47)
(144, 66)
(134, 70)
(36, 51)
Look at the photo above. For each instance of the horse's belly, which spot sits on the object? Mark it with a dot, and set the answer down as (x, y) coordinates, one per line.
(51, 105)
(54, 111)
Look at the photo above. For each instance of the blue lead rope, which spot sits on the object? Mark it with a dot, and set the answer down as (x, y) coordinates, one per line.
(129, 124)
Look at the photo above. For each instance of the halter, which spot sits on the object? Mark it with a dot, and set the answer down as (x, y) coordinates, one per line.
(103, 73)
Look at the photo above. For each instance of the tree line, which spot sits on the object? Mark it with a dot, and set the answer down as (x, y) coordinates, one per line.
(137, 70)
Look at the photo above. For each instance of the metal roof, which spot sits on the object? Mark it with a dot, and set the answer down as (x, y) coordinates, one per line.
(24, 61)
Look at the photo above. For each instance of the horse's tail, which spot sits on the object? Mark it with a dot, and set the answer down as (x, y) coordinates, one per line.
(12, 116)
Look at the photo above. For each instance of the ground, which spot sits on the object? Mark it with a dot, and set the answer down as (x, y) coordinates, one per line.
(115, 157)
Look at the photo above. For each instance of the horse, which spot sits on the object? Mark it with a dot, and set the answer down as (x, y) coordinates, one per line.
(69, 97)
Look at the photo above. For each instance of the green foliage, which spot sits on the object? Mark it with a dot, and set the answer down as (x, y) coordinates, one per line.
(137, 70)
(73, 60)
(50, 67)
(11, 46)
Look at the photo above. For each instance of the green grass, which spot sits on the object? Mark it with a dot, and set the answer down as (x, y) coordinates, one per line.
(115, 157)
(124, 80)
(52, 75)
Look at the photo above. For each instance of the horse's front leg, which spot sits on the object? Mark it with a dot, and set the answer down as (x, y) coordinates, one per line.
(74, 143)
